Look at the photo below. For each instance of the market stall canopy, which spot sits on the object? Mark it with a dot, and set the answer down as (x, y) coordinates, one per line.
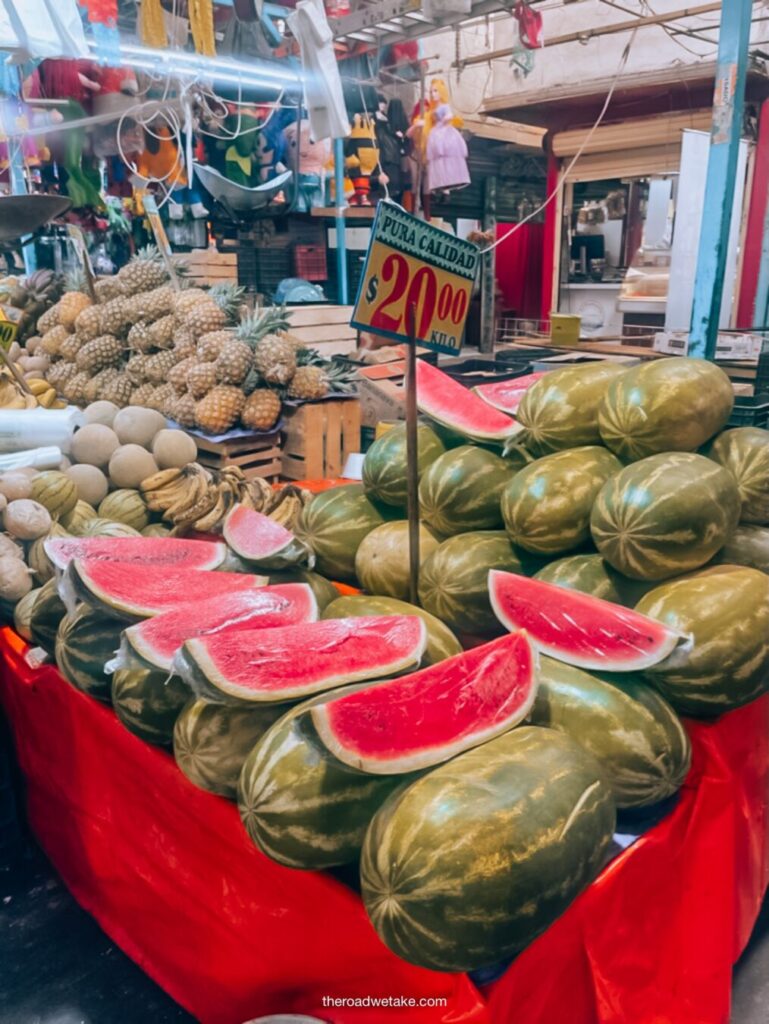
(21, 215)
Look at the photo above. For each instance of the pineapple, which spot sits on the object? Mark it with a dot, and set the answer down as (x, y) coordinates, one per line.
(60, 373)
(98, 354)
(183, 410)
(234, 362)
(70, 348)
(142, 395)
(73, 388)
(201, 378)
(177, 376)
(93, 389)
(184, 341)
(136, 369)
(145, 272)
(262, 410)
(220, 409)
(186, 300)
(275, 359)
(160, 365)
(214, 311)
(108, 288)
(309, 383)
(118, 390)
(54, 339)
(139, 338)
(158, 303)
(161, 332)
(162, 398)
(115, 317)
(71, 305)
(88, 324)
(210, 345)
(48, 320)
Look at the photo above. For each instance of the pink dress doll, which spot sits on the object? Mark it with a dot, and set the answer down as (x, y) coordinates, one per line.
(445, 149)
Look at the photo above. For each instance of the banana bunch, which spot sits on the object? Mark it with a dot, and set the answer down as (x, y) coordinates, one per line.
(41, 394)
(287, 504)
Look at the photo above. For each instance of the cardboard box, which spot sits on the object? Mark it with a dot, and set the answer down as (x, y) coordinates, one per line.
(382, 393)
(729, 345)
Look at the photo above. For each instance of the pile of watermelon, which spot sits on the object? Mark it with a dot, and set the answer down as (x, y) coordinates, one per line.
(592, 567)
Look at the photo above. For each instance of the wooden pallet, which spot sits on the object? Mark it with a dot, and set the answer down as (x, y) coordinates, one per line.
(326, 328)
(255, 457)
(318, 438)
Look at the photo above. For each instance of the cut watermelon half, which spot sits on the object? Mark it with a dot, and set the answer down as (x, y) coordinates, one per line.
(422, 719)
(155, 641)
(506, 395)
(135, 592)
(579, 629)
(446, 401)
(191, 554)
(294, 662)
(262, 542)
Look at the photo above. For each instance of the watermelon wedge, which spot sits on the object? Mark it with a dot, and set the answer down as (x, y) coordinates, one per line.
(446, 401)
(134, 592)
(293, 662)
(506, 395)
(191, 554)
(262, 542)
(155, 641)
(577, 628)
(422, 719)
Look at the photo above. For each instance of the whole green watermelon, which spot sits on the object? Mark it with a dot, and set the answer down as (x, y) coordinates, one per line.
(665, 515)
(333, 524)
(299, 804)
(547, 505)
(748, 546)
(631, 731)
(45, 616)
(148, 703)
(461, 490)
(441, 642)
(665, 405)
(382, 560)
(211, 741)
(590, 574)
(454, 580)
(85, 641)
(469, 864)
(726, 611)
(561, 410)
(384, 467)
(745, 453)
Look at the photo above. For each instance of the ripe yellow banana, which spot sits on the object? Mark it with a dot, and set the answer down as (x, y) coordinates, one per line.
(47, 398)
(159, 480)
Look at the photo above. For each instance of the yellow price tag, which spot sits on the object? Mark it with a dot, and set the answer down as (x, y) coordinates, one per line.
(9, 327)
(410, 263)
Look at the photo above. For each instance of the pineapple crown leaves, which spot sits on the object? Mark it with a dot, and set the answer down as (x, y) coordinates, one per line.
(228, 297)
(260, 323)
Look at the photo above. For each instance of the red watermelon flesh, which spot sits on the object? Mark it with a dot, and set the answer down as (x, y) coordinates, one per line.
(506, 395)
(192, 554)
(294, 662)
(446, 401)
(422, 719)
(263, 542)
(140, 591)
(157, 640)
(579, 629)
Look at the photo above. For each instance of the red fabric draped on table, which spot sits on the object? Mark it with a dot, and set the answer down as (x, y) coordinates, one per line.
(170, 875)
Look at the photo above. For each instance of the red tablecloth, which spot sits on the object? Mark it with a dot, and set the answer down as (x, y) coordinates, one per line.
(170, 875)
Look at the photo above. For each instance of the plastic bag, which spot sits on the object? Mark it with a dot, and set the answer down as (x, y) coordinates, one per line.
(38, 428)
(35, 458)
(36, 29)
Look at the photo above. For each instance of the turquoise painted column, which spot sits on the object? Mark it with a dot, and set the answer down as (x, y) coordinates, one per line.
(341, 245)
(733, 42)
(761, 308)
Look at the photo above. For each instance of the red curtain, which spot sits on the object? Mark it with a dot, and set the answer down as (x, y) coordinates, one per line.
(519, 269)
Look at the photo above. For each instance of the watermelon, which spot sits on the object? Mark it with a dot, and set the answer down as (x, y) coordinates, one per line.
(461, 490)
(148, 703)
(749, 546)
(581, 630)
(591, 575)
(294, 662)
(745, 453)
(470, 863)
(665, 515)
(263, 543)
(448, 402)
(324, 590)
(506, 395)
(546, 506)
(22, 612)
(429, 716)
(125, 506)
(454, 580)
(665, 405)
(333, 524)
(631, 731)
(726, 609)
(384, 467)
(133, 592)
(299, 804)
(154, 642)
(441, 642)
(85, 641)
(45, 616)
(561, 410)
(172, 551)
(382, 560)
(211, 741)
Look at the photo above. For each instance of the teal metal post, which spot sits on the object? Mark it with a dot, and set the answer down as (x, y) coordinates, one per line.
(733, 43)
(341, 245)
(761, 309)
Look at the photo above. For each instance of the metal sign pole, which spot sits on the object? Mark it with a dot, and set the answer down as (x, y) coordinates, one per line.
(412, 453)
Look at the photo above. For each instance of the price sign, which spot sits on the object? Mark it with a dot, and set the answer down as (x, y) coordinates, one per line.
(410, 263)
(9, 326)
(80, 246)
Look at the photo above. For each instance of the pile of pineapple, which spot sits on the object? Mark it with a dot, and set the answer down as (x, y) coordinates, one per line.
(196, 356)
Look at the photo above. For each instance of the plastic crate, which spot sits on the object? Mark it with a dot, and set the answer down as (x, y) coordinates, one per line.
(750, 411)
(310, 262)
(484, 371)
(519, 355)
(762, 372)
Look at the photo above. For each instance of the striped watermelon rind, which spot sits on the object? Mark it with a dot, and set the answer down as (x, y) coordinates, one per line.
(726, 610)
(447, 401)
(744, 451)
(470, 863)
(384, 467)
(748, 546)
(45, 616)
(382, 559)
(172, 551)
(546, 506)
(22, 612)
(461, 491)
(85, 641)
(148, 703)
(590, 574)
(333, 524)
(262, 542)
(632, 731)
(665, 515)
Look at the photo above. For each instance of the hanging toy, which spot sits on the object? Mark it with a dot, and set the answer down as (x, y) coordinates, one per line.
(529, 25)
(102, 17)
(152, 26)
(201, 13)
(444, 148)
(361, 159)
(308, 160)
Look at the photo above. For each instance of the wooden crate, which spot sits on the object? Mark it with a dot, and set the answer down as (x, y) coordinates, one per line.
(318, 438)
(326, 328)
(206, 267)
(255, 457)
